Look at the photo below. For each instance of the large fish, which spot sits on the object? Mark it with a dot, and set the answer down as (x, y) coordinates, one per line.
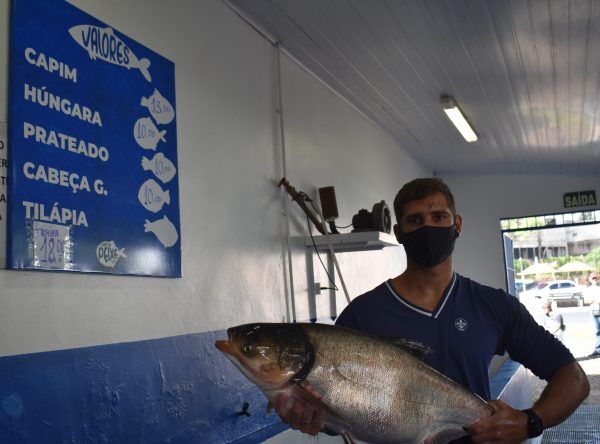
(103, 44)
(373, 389)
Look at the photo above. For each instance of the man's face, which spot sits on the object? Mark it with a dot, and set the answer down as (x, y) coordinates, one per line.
(432, 210)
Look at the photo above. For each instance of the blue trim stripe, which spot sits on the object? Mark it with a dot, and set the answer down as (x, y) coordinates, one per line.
(420, 310)
(447, 295)
(176, 390)
(172, 390)
(405, 302)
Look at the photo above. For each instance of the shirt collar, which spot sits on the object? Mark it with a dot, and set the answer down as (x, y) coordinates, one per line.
(436, 312)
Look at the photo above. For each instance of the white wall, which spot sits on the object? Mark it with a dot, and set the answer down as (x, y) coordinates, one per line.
(328, 143)
(233, 256)
(484, 200)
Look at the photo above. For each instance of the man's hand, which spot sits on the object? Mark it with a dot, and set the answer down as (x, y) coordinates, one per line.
(506, 425)
(298, 414)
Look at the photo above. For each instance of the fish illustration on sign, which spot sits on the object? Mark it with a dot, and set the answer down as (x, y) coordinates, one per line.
(103, 44)
(159, 107)
(164, 230)
(152, 196)
(146, 134)
(108, 254)
(162, 167)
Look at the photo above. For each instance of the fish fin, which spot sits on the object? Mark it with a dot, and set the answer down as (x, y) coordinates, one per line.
(330, 418)
(416, 348)
(143, 67)
(347, 437)
(444, 434)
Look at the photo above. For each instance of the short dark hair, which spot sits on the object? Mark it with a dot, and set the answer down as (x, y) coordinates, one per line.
(418, 189)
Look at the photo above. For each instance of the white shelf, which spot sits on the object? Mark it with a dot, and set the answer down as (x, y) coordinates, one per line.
(357, 241)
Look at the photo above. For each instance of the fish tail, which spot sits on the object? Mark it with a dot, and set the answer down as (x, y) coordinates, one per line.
(144, 101)
(167, 197)
(122, 253)
(146, 163)
(147, 226)
(143, 66)
(162, 135)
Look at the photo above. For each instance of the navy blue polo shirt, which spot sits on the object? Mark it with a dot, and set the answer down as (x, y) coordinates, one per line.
(470, 325)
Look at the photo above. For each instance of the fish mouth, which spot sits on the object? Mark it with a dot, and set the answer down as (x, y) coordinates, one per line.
(225, 347)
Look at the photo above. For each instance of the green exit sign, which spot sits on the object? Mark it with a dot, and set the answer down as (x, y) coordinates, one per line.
(580, 199)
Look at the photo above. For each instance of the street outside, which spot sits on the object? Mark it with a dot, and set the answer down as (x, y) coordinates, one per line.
(580, 337)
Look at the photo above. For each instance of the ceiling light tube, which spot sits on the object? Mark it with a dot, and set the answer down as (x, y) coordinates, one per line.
(455, 114)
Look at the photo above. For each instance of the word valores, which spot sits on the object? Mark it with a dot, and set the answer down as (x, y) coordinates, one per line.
(104, 43)
(45, 98)
(56, 214)
(64, 142)
(62, 178)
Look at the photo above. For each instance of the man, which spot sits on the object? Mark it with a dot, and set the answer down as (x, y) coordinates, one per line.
(465, 323)
(553, 321)
(593, 293)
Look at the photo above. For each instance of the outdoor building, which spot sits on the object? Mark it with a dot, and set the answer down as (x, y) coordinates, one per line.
(556, 242)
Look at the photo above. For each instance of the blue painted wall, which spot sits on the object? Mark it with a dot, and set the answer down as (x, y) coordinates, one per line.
(173, 390)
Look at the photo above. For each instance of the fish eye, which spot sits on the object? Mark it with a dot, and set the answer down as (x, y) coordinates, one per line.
(247, 347)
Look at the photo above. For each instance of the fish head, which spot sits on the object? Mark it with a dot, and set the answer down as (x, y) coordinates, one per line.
(270, 355)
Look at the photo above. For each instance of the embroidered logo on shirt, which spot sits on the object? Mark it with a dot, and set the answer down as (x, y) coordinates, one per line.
(461, 324)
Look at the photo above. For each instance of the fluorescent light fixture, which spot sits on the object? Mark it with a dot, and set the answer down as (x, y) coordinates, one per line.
(455, 114)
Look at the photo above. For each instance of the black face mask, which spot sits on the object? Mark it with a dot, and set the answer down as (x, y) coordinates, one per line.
(429, 246)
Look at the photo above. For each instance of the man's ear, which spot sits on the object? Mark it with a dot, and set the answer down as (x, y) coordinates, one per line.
(458, 224)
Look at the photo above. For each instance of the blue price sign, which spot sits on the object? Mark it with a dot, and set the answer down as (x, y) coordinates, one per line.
(93, 179)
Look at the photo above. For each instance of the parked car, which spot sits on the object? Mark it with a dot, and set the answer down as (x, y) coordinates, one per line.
(523, 284)
(560, 290)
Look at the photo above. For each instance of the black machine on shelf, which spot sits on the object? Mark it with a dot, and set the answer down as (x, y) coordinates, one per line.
(379, 219)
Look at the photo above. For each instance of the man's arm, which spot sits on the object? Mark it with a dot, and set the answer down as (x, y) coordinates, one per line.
(563, 394)
(567, 388)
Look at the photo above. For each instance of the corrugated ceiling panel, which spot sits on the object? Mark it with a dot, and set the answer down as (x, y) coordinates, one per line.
(526, 73)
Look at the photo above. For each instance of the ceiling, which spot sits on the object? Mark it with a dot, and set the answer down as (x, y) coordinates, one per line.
(526, 74)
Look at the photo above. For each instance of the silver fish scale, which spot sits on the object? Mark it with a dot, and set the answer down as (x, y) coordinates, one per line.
(384, 393)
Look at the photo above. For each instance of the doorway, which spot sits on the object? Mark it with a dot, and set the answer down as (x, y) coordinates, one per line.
(549, 259)
(551, 247)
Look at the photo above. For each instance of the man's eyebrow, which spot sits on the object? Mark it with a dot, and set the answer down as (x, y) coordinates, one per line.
(406, 216)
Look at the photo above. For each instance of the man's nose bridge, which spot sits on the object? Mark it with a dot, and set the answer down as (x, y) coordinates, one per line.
(429, 219)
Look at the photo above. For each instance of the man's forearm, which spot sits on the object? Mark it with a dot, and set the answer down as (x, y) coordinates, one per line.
(563, 394)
